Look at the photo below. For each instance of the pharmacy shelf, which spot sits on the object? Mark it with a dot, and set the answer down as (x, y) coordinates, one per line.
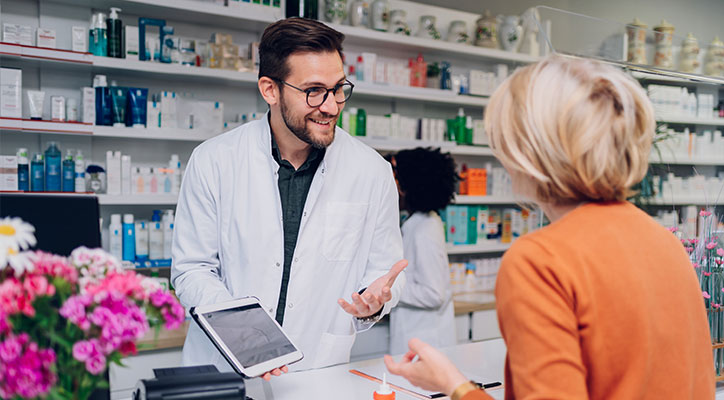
(387, 144)
(137, 199)
(75, 128)
(685, 160)
(427, 95)
(684, 201)
(160, 70)
(244, 16)
(677, 77)
(437, 48)
(480, 248)
(461, 199)
(692, 121)
(18, 51)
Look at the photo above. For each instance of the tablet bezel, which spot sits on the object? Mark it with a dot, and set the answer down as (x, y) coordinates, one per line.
(255, 370)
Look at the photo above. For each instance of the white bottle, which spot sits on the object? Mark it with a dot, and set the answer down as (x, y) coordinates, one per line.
(137, 183)
(146, 174)
(175, 165)
(126, 176)
(142, 240)
(156, 242)
(115, 230)
(167, 234)
(79, 173)
(113, 172)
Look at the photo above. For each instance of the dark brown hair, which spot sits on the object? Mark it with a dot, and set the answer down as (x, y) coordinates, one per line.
(294, 35)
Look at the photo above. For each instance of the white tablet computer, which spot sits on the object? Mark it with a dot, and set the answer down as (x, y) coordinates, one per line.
(246, 335)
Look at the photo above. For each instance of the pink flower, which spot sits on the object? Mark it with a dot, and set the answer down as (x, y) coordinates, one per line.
(673, 229)
(694, 241)
(706, 295)
(695, 265)
(55, 266)
(74, 309)
(710, 245)
(37, 285)
(83, 349)
(704, 213)
(707, 273)
(689, 249)
(26, 370)
(720, 252)
(5, 325)
(719, 262)
(96, 364)
(716, 305)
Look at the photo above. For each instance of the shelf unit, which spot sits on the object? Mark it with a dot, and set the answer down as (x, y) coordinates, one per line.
(480, 248)
(686, 201)
(673, 159)
(692, 121)
(387, 144)
(472, 200)
(137, 199)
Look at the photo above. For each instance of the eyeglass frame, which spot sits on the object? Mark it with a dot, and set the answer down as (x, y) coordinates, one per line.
(326, 95)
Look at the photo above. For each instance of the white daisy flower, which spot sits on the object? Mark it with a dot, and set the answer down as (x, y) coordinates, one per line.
(21, 262)
(16, 234)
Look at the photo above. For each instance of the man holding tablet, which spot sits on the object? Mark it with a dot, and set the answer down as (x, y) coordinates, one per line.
(291, 209)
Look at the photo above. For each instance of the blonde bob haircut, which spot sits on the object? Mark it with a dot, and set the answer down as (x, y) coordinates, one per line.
(578, 129)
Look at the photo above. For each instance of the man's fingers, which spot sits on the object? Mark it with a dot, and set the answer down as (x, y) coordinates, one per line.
(276, 372)
(266, 376)
(285, 369)
(392, 366)
(349, 308)
(395, 271)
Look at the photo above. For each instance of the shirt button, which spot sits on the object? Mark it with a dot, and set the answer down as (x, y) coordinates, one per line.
(290, 305)
(296, 259)
(305, 213)
(278, 264)
(271, 310)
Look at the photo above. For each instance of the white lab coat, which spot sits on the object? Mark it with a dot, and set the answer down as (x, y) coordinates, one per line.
(228, 239)
(425, 310)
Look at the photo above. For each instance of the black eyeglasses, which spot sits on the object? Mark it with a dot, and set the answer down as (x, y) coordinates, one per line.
(317, 95)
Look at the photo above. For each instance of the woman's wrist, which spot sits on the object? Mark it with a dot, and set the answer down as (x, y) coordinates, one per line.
(455, 381)
(462, 389)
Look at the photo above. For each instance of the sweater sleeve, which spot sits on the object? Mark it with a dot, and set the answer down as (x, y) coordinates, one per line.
(476, 395)
(536, 303)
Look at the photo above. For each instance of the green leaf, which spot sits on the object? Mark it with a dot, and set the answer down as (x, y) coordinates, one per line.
(65, 343)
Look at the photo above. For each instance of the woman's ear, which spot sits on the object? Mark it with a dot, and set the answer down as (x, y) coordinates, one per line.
(269, 90)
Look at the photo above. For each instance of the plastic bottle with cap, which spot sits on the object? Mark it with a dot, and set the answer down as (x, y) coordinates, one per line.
(114, 29)
(384, 392)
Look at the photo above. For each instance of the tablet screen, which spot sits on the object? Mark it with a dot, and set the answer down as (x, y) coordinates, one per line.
(250, 333)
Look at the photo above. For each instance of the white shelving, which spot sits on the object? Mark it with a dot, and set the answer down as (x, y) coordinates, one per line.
(412, 44)
(418, 94)
(472, 200)
(148, 68)
(245, 16)
(686, 200)
(692, 121)
(138, 199)
(393, 144)
(480, 248)
(668, 158)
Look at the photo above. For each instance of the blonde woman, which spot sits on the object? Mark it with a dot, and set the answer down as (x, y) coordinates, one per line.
(603, 303)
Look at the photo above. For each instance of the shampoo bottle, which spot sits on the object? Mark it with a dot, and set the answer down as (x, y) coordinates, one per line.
(52, 168)
(129, 238)
(69, 172)
(167, 234)
(155, 248)
(23, 170)
(115, 231)
(97, 38)
(114, 27)
(79, 173)
(37, 173)
(141, 241)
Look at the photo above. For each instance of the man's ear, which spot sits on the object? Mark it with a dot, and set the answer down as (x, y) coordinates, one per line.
(269, 90)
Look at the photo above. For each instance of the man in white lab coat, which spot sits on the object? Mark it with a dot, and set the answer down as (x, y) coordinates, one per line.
(291, 209)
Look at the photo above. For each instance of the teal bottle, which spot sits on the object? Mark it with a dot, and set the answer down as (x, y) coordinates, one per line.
(37, 173)
(52, 168)
(69, 172)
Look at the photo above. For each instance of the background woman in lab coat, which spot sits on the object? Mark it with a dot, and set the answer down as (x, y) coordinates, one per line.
(426, 182)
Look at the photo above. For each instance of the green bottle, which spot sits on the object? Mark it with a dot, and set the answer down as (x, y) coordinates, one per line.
(460, 134)
(353, 121)
(361, 122)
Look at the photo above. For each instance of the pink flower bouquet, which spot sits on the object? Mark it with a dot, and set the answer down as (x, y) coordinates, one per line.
(64, 320)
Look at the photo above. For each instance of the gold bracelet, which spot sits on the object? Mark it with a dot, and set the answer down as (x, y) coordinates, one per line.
(463, 389)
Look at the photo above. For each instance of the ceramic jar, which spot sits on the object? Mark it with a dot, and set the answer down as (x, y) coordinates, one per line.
(689, 54)
(427, 29)
(458, 32)
(715, 58)
(358, 13)
(398, 22)
(335, 11)
(636, 33)
(511, 33)
(486, 31)
(664, 37)
(379, 19)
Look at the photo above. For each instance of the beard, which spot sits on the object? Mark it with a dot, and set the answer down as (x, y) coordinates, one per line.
(298, 126)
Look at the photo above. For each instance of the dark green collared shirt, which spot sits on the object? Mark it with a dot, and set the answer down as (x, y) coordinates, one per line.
(293, 188)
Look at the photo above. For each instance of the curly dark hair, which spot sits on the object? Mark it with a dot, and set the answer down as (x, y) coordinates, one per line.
(427, 178)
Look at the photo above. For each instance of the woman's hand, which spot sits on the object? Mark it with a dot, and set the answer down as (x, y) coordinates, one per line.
(430, 371)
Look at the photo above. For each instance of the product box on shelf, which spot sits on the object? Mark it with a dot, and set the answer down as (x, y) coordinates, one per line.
(8, 173)
(131, 41)
(46, 38)
(18, 34)
(11, 105)
(79, 35)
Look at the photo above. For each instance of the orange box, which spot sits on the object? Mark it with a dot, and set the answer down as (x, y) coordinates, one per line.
(476, 181)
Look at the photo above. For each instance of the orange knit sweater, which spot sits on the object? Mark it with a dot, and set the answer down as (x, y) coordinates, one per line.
(602, 304)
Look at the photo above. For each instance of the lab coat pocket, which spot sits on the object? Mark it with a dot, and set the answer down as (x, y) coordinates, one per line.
(343, 224)
(333, 349)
